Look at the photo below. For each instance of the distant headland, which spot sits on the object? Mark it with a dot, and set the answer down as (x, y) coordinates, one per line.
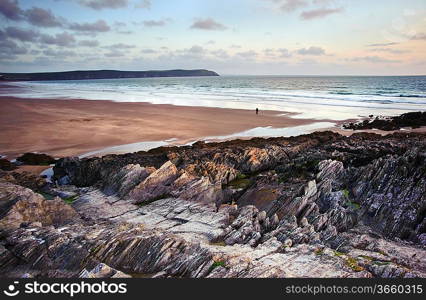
(102, 74)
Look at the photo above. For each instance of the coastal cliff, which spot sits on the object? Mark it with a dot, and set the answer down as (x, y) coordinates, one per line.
(317, 205)
(102, 74)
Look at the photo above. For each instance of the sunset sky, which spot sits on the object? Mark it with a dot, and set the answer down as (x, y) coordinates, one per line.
(265, 37)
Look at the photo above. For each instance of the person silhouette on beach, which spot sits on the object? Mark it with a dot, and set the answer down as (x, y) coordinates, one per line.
(257, 111)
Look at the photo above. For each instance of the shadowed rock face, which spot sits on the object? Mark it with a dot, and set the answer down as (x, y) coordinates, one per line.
(36, 159)
(320, 205)
(6, 165)
(411, 119)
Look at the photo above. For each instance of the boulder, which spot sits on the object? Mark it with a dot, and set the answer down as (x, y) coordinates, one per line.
(6, 165)
(36, 159)
(20, 205)
(103, 271)
(156, 185)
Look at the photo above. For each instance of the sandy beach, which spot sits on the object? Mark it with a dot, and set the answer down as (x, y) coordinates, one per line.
(72, 127)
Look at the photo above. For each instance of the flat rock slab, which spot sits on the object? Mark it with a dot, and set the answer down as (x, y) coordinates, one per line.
(174, 215)
(97, 205)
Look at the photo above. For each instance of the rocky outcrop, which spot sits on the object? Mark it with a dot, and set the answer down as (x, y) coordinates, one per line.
(126, 179)
(156, 185)
(391, 193)
(103, 271)
(36, 159)
(6, 165)
(320, 205)
(21, 206)
(411, 119)
(25, 179)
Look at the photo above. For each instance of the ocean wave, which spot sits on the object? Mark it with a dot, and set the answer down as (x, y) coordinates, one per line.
(318, 97)
(412, 96)
(342, 93)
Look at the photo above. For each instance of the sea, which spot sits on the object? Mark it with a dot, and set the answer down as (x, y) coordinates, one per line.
(316, 97)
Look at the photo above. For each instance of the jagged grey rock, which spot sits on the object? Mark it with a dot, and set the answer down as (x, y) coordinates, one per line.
(319, 205)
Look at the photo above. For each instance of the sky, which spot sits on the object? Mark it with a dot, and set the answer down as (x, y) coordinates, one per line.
(231, 37)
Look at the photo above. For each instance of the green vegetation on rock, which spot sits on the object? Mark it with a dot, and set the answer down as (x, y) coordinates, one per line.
(297, 170)
(47, 196)
(70, 200)
(240, 182)
(353, 264)
(241, 176)
(319, 252)
(345, 193)
(353, 205)
(219, 263)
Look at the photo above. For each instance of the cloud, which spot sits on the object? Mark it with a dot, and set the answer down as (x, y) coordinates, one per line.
(324, 2)
(207, 24)
(220, 53)
(292, 5)
(317, 51)
(120, 46)
(115, 53)
(196, 50)
(250, 54)
(144, 4)
(42, 17)
(373, 59)
(314, 8)
(88, 43)
(284, 52)
(277, 53)
(319, 13)
(9, 50)
(120, 27)
(10, 46)
(61, 39)
(10, 10)
(382, 44)
(119, 24)
(390, 50)
(125, 32)
(154, 23)
(35, 16)
(59, 53)
(21, 34)
(102, 4)
(419, 36)
(269, 52)
(148, 51)
(96, 27)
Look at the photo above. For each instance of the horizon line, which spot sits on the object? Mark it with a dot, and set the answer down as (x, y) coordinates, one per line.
(227, 74)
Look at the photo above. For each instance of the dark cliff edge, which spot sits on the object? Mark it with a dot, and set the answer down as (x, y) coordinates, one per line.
(102, 74)
(411, 119)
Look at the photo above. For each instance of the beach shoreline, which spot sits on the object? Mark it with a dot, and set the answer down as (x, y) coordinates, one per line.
(86, 127)
(72, 127)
